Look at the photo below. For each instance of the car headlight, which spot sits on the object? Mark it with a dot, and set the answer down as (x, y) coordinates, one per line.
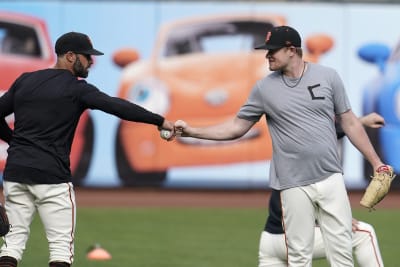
(152, 94)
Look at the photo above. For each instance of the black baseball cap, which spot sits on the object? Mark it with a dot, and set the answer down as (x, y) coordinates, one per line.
(76, 42)
(281, 36)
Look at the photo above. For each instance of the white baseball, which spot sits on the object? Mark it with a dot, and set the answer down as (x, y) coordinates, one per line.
(165, 134)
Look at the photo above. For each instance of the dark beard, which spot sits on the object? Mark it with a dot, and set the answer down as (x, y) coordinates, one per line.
(79, 70)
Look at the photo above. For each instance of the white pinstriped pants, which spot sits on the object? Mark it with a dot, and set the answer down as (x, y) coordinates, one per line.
(273, 251)
(327, 202)
(55, 204)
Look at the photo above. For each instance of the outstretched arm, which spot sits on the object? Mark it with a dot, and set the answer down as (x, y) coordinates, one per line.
(228, 130)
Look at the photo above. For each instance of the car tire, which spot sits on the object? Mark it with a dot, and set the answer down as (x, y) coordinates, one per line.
(130, 177)
(79, 174)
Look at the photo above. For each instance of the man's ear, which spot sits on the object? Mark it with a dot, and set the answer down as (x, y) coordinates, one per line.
(70, 56)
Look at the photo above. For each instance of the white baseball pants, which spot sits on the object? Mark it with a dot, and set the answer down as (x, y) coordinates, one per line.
(55, 204)
(273, 250)
(327, 202)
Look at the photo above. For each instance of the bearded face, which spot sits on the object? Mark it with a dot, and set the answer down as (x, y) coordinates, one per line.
(80, 70)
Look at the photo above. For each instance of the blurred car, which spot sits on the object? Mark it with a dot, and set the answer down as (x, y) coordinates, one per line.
(382, 95)
(25, 46)
(201, 70)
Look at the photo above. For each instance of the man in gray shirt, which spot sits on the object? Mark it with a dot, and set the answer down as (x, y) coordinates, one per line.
(300, 101)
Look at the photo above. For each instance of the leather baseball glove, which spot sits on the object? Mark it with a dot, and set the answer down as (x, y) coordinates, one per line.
(4, 224)
(378, 187)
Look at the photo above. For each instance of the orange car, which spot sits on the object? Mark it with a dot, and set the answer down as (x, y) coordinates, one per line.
(201, 70)
(25, 46)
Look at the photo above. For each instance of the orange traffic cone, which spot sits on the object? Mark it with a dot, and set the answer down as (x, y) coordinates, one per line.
(97, 253)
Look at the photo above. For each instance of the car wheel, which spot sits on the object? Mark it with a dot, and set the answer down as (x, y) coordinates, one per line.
(79, 174)
(128, 175)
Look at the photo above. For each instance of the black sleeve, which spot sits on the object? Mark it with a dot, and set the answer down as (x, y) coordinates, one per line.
(93, 98)
(5, 131)
(6, 108)
(273, 224)
(339, 131)
(6, 103)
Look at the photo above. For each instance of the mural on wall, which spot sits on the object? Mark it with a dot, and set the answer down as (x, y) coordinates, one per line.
(202, 69)
(382, 95)
(194, 61)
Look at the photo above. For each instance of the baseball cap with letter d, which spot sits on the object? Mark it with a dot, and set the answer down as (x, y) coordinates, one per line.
(281, 36)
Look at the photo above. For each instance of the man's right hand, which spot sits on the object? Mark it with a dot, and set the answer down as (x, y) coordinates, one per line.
(180, 127)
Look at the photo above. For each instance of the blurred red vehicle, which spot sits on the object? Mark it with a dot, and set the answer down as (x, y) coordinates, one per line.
(200, 70)
(25, 46)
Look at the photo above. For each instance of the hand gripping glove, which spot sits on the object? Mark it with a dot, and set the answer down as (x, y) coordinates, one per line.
(378, 187)
(4, 224)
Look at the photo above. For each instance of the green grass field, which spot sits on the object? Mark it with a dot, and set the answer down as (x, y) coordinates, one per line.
(183, 237)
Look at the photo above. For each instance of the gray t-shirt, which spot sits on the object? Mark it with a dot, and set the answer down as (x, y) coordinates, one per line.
(301, 121)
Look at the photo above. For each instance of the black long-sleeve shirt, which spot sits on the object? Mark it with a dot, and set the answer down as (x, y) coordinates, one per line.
(5, 131)
(273, 224)
(47, 105)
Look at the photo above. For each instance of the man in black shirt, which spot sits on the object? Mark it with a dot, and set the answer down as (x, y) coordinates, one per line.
(47, 105)
(273, 251)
